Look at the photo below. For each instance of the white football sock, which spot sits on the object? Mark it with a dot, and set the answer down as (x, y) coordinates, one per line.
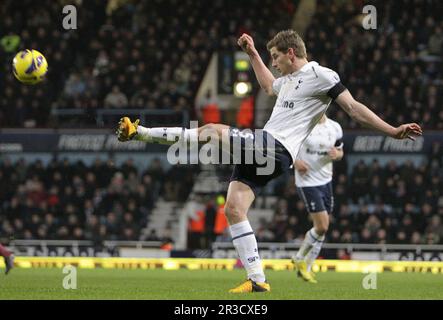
(311, 238)
(313, 254)
(245, 243)
(166, 135)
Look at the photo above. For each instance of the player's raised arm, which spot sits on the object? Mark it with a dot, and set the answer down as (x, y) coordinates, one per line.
(263, 74)
(362, 114)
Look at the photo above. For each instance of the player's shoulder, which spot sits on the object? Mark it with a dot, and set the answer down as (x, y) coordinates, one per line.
(334, 125)
(325, 72)
(325, 78)
(320, 67)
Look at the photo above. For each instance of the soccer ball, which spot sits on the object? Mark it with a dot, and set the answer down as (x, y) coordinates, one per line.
(29, 66)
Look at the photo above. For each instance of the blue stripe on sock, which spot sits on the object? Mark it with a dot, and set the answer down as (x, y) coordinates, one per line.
(243, 235)
(315, 239)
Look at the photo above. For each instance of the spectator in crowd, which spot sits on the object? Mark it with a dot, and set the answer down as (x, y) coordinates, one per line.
(435, 45)
(116, 99)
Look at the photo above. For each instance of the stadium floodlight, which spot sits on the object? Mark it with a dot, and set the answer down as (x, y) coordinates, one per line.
(241, 88)
(242, 65)
(241, 61)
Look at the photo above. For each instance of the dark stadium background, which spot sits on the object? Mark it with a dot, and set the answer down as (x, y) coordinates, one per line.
(63, 176)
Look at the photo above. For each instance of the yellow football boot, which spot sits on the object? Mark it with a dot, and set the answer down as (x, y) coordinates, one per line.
(126, 129)
(302, 271)
(251, 286)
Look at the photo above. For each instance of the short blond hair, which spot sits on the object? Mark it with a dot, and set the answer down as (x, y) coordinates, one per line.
(288, 39)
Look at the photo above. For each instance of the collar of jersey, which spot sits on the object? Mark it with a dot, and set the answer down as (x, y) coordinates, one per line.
(305, 68)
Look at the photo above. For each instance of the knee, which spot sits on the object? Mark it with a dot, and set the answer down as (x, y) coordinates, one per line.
(210, 128)
(321, 229)
(233, 213)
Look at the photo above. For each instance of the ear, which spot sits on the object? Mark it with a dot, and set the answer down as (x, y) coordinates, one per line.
(291, 52)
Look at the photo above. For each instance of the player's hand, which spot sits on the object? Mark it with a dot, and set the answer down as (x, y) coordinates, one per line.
(407, 131)
(301, 166)
(334, 154)
(247, 44)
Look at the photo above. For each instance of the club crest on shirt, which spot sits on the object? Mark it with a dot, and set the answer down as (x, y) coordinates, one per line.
(300, 81)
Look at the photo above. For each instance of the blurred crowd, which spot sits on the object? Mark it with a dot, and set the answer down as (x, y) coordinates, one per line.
(392, 203)
(148, 54)
(396, 69)
(65, 200)
(152, 54)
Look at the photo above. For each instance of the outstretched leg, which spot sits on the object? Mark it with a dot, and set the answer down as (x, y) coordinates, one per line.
(169, 135)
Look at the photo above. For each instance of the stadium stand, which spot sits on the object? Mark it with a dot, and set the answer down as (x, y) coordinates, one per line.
(396, 70)
(374, 204)
(131, 57)
(64, 200)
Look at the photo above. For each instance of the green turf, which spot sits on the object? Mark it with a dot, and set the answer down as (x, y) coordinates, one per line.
(183, 284)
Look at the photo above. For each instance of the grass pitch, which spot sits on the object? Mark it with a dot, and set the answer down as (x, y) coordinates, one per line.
(47, 284)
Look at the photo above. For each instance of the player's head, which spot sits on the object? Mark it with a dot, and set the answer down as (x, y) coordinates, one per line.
(284, 48)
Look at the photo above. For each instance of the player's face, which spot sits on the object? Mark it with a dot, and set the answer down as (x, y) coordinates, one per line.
(281, 61)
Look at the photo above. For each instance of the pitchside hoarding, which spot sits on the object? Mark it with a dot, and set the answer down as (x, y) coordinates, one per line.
(356, 142)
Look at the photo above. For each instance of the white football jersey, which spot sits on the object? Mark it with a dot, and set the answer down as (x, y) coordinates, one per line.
(314, 152)
(303, 97)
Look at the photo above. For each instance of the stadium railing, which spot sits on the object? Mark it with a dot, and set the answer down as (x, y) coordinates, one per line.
(103, 117)
(268, 250)
(353, 251)
(74, 248)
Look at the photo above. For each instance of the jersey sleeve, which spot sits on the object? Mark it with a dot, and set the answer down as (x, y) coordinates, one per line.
(338, 136)
(329, 83)
(277, 84)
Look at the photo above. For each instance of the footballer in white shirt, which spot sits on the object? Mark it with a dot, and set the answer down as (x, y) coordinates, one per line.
(313, 178)
(304, 92)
